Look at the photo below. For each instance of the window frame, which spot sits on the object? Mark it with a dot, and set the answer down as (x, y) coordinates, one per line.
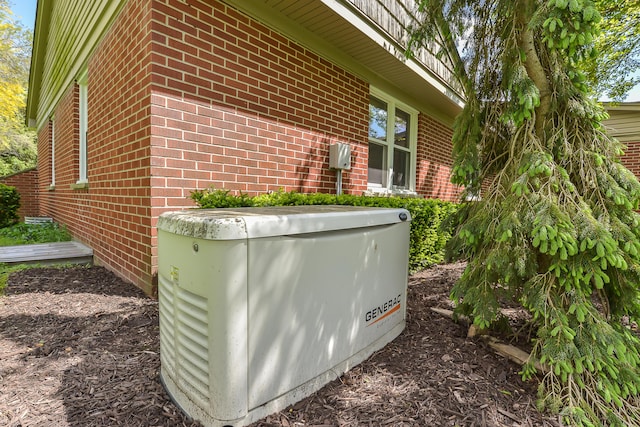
(52, 123)
(83, 100)
(389, 144)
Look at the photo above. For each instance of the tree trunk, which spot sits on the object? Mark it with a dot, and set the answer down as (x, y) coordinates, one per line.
(535, 70)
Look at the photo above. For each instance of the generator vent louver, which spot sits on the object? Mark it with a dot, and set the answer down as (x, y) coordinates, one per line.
(183, 322)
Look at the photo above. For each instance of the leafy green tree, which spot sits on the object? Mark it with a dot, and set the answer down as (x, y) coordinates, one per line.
(17, 143)
(556, 229)
(9, 205)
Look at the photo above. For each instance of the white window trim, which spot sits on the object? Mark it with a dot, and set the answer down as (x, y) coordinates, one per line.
(392, 103)
(53, 152)
(83, 107)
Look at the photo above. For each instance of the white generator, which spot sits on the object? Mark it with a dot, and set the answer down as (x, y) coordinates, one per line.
(260, 307)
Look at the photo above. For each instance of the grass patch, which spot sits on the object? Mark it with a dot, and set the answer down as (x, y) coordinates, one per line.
(25, 234)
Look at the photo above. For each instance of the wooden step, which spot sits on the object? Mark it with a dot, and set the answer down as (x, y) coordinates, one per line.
(47, 253)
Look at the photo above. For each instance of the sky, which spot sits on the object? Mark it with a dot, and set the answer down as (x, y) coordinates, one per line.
(25, 12)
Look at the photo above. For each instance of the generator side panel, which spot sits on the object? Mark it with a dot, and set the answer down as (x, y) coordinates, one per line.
(318, 299)
(202, 295)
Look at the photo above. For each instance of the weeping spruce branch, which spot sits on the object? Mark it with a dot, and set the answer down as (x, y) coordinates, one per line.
(556, 229)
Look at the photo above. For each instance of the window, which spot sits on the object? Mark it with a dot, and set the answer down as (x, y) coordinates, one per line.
(82, 86)
(392, 144)
(52, 129)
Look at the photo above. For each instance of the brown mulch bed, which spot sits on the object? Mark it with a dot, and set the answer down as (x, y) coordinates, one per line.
(79, 347)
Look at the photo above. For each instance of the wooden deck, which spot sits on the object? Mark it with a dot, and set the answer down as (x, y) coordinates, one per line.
(47, 253)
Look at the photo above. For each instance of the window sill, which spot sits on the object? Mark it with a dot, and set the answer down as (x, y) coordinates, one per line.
(80, 186)
(384, 192)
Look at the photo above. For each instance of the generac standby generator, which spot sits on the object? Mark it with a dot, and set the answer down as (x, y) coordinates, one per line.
(260, 307)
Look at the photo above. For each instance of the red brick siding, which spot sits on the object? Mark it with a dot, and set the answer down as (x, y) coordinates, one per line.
(186, 95)
(113, 215)
(119, 171)
(60, 204)
(434, 160)
(26, 182)
(44, 155)
(631, 158)
(238, 106)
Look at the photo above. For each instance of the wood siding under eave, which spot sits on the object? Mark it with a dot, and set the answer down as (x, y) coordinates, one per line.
(74, 29)
(396, 17)
(624, 123)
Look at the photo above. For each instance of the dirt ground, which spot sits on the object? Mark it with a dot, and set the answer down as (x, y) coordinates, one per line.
(79, 347)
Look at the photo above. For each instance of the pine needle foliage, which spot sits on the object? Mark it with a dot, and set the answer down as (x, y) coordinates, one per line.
(556, 228)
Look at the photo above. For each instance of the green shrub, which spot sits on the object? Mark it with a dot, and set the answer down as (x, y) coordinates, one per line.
(21, 234)
(430, 227)
(9, 205)
(220, 199)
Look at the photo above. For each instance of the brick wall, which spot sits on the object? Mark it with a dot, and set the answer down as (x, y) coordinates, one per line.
(119, 131)
(44, 155)
(59, 202)
(241, 107)
(113, 214)
(26, 182)
(631, 158)
(184, 95)
(238, 106)
(434, 160)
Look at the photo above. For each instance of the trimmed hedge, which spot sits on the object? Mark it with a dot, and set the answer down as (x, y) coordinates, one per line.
(9, 205)
(430, 230)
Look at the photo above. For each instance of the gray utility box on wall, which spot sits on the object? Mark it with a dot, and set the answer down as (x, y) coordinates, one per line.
(340, 156)
(260, 307)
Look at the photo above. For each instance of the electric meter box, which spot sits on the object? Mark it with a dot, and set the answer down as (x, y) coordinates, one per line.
(260, 307)
(340, 156)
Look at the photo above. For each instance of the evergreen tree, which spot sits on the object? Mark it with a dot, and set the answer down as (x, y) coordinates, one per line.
(618, 46)
(555, 229)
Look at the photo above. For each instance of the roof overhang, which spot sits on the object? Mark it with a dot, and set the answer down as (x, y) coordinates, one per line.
(333, 29)
(40, 32)
(340, 33)
(61, 53)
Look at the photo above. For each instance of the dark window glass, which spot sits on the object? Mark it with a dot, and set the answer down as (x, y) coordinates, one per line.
(400, 168)
(377, 164)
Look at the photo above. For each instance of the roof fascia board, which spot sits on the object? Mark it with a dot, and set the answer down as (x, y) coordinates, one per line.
(41, 29)
(621, 106)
